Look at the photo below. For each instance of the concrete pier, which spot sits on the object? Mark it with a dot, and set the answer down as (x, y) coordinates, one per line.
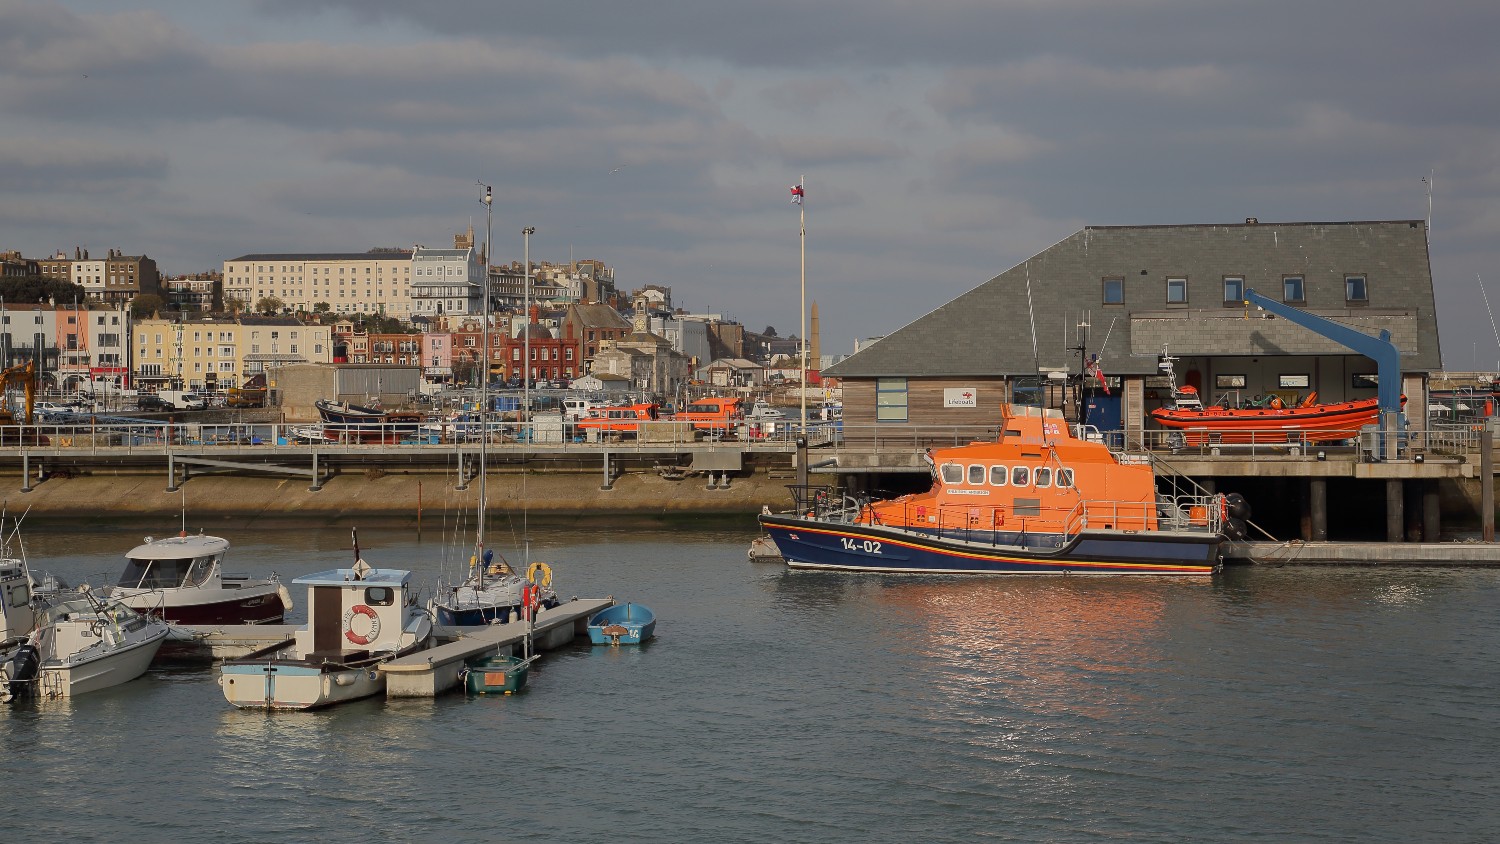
(433, 671)
(1299, 553)
(426, 673)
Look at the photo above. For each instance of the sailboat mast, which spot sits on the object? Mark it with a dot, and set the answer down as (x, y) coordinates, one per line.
(528, 431)
(484, 385)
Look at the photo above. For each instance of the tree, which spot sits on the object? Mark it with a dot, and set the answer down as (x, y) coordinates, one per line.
(146, 304)
(321, 307)
(269, 305)
(235, 304)
(32, 289)
(770, 331)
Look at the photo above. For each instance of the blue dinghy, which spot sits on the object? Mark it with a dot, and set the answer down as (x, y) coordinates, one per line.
(622, 624)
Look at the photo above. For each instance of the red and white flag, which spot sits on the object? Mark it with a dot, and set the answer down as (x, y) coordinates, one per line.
(796, 194)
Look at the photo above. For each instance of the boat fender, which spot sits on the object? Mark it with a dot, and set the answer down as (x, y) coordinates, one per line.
(540, 574)
(286, 596)
(361, 609)
(344, 679)
(1238, 507)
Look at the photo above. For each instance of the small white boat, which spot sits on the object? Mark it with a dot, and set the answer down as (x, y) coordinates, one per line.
(92, 642)
(763, 410)
(358, 618)
(19, 657)
(82, 642)
(181, 580)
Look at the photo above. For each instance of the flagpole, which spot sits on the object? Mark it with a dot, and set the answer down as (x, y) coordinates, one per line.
(802, 215)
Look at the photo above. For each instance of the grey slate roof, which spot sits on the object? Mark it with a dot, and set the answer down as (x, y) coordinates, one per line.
(324, 256)
(987, 331)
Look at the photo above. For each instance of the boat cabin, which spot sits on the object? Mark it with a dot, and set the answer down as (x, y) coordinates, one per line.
(17, 618)
(626, 419)
(354, 610)
(174, 562)
(713, 413)
(1036, 477)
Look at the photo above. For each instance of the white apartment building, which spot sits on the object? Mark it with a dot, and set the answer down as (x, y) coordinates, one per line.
(446, 282)
(377, 282)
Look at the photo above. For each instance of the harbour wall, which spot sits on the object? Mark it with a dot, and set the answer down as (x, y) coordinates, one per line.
(395, 498)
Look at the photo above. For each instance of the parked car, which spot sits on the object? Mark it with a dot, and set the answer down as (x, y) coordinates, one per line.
(151, 401)
(49, 409)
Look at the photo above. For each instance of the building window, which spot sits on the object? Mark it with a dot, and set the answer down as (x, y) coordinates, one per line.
(1234, 289)
(890, 400)
(1177, 291)
(1355, 289)
(1292, 289)
(1114, 291)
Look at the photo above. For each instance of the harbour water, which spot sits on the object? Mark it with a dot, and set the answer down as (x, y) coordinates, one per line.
(1329, 704)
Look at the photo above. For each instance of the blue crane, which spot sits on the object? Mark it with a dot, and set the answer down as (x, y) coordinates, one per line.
(1379, 349)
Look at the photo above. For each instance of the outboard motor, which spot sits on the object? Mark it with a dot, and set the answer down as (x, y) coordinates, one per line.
(19, 672)
(1236, 516)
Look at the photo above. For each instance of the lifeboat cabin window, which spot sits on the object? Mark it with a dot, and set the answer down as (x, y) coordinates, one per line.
(1064, 477)
(952, 473)
(997, 475)
(380, 596)
(1043, 476)
(976, 475)
(1020, 476)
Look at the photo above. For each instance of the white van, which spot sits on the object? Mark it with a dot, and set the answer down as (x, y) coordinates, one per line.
(182, 399)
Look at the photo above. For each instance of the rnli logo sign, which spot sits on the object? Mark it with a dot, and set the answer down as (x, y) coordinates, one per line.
(960, 397)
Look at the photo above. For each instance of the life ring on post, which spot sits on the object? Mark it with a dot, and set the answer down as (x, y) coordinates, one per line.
(539, 574)
(356, 638)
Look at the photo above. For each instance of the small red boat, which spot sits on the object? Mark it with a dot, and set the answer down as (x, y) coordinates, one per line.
(1271, 421)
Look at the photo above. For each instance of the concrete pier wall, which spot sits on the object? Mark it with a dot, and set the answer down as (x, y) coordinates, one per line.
(396, 496)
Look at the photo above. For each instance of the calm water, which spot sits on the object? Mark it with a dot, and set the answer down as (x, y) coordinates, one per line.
(1271, 705)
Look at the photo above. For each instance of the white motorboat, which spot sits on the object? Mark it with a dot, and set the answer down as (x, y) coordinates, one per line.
(358, 617)
(763, 410)
(19, 657)
(91, 642)
(181, 579)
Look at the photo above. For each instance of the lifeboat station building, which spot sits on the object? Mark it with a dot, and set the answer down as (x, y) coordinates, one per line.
(1132, 294)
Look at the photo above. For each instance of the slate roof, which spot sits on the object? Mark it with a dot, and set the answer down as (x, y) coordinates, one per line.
(324, 256)
(599, 315)
(988, 330)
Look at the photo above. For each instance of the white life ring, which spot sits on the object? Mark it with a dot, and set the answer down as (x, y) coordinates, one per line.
(361, 609)
(540, 574)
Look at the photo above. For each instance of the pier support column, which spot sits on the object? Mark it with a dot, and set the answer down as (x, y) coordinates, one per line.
(1432, 517)
(26, 469)
(1317, 505)
(609, 480)
(1304, 510)
(317, 480)
(171, 473)
(802, 462)
(463, 473)
(1394, 523)
(1487, 482)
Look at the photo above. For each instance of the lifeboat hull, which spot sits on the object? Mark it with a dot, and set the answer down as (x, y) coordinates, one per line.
(1317, 423)
(812, 544)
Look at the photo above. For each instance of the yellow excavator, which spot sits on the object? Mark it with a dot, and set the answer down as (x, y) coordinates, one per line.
(21, 375)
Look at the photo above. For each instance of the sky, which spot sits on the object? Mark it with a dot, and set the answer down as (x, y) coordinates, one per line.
(942, 142)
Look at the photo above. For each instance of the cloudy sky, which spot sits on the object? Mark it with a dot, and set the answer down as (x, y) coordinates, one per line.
(943, 141)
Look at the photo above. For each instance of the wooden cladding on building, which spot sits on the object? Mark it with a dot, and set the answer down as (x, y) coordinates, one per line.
(933, 412)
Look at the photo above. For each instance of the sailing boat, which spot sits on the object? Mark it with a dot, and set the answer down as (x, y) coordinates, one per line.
(492, 592)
